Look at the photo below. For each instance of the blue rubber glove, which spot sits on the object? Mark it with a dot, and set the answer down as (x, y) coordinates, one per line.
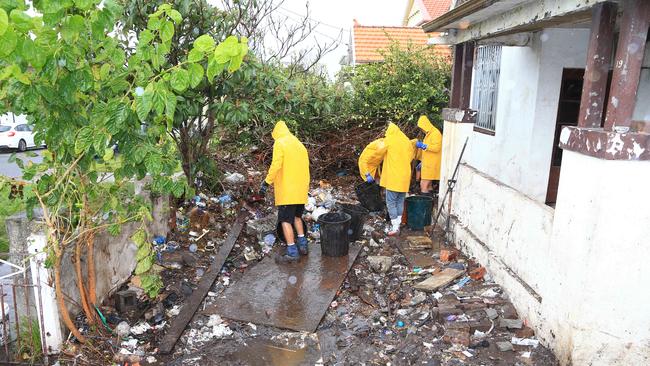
(421, 145)
(369, 178)
(263, 188)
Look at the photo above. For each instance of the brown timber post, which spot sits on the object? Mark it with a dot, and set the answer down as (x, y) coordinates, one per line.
(466, 79)
(456, 76)
(627, 64)
(599, 53)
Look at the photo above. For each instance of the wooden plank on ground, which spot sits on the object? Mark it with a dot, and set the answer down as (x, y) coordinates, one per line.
(194, 301)
(416, 257)
(438, 280)
(292, 296)
(419, 242)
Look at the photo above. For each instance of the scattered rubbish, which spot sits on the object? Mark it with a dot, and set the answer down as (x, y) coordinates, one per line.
(525, 342)
(269, 239)
(456, 265)
(491, 313)
(374, 309)
(126, 300)
(140, 328)
(419, 242)
(180, 322)
(478, 273)
(225, 199)
(491, 293)
(511, 323)
(235, 178)
(249, 298)
(438, 280)
(380, 264)
(123, 329)
(448, 255)
(318, 212)
(460, 283)
(504, 346)
(418, 299)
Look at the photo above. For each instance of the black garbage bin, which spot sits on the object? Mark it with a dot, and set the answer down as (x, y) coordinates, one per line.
(358, 215)
(334, 241)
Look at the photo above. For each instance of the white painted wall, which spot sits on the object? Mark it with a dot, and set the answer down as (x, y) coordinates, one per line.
(587, 259)
(576, 273)
(599, 267)
(519, 154)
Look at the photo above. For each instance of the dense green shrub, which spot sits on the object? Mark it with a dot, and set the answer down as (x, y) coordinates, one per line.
(260, 94)
(410, 82)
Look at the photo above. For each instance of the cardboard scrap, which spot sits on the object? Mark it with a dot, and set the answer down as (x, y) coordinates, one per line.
(419, 242)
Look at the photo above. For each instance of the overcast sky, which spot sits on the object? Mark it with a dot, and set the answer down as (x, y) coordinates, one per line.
(337, 15)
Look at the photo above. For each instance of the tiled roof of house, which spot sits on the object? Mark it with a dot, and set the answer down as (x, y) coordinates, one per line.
(436, 8)
(370, 40)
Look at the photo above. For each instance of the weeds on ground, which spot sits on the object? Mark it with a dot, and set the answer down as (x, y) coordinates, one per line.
(28, 346)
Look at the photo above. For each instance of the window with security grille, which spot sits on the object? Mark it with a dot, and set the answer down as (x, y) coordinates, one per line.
(486, 85)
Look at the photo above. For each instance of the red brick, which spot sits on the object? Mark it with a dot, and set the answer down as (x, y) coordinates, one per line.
(525, 332)
(448, 255)
(478, 273)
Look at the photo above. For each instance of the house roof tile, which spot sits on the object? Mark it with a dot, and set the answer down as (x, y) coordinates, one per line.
(369, 41)
(436, 8)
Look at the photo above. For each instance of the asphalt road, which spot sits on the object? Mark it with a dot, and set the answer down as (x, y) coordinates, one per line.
(11, 169)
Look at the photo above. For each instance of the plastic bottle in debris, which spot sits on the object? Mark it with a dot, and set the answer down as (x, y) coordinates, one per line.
(224, 199)
(269, 239)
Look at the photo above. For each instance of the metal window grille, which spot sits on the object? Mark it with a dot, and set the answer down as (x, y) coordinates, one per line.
(486, 85)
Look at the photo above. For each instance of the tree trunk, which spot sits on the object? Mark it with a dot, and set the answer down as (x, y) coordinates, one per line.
(80, 283)
(90, 248)
(63, 310)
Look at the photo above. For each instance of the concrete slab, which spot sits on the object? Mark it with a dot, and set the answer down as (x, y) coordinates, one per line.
(290, 296)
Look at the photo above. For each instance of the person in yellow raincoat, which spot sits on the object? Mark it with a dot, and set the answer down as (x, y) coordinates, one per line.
(370, 160)
(431, 154)
(289, 175)
(396, 174)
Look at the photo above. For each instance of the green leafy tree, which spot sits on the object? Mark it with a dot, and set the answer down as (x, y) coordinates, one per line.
(408, 83)
(85, 90)
(258, 94)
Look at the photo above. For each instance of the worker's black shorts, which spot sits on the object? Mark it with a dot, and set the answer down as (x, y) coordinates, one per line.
(287, 213)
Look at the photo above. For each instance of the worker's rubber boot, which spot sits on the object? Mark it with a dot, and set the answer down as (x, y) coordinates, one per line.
(290, 256)
(394, 231)
(303, 245)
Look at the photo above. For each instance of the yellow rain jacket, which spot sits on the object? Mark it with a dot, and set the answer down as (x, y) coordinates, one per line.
(396, 170)
(371, 158)
(432, 155)
(289, 170)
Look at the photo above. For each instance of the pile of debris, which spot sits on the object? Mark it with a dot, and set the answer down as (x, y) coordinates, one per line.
(406, 300)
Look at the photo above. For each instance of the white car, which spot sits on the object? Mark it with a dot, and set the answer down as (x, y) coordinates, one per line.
(19, 136)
